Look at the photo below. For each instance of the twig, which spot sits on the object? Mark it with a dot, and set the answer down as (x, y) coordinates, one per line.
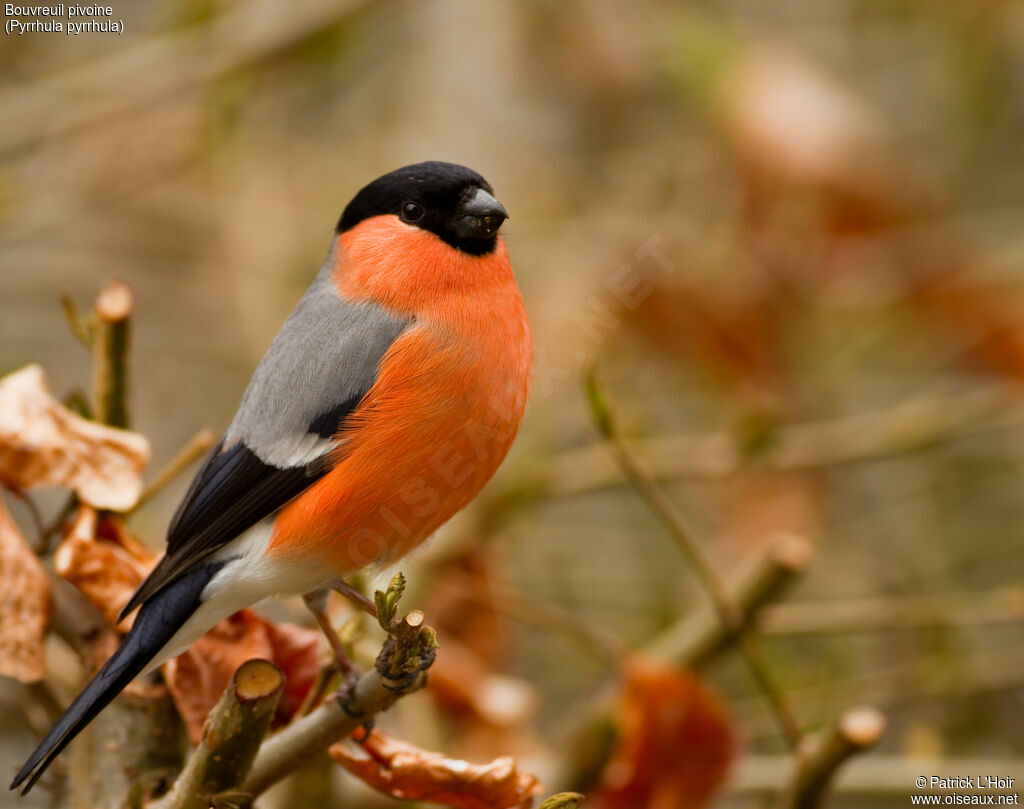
(896, 613)
(693, 641)
(128, 748)
(51, 528)
(110, 337)
(533, 611)
(140, 732)
(732, 618)
(910, 426)
(857, 730)
(195, 448)
(292, 747)
(700, 636)
(877, 776)
(87, 330)
(79, 624)
(399, 670)
(160, 66)
(926, 679)
(232, 735)
(37, 518)
(80, 326)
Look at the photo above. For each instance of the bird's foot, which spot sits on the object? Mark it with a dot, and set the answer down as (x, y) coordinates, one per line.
(347, 699)
(347, 693)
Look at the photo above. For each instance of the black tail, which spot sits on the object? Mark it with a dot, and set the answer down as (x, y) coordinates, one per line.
(156, 623)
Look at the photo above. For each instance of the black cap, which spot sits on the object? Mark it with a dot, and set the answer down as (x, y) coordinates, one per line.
(451, 201)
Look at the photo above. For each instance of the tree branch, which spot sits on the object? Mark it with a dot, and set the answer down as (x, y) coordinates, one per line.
(80, 326)
(196, 447)
(896, 613)
(693, 641)
(140, 733)
(910, 426)
(857, 730)
(232, 735)
(668, 514)
(110, 338)
(700, 636)
(875, 777)
(160, 66)
(136, 740)
(399, 670)
(79, 624)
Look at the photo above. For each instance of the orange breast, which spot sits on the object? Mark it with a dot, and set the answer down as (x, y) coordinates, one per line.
(442, 414)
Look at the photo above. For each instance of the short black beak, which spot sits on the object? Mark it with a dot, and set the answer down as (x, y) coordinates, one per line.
(479, 216)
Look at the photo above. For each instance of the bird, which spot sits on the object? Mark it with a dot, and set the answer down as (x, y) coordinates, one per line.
(390, 396)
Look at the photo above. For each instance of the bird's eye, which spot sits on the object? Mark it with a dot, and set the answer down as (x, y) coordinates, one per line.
(412, 212)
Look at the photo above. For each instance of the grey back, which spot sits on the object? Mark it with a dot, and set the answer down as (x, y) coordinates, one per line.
(325, 355)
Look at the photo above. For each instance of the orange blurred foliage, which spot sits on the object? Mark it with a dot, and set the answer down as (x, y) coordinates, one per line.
(675, 742)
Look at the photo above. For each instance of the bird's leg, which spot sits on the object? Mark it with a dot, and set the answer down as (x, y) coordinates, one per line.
(317, 604)
(352, 594)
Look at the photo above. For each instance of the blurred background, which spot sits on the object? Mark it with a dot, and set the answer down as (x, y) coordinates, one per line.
(790, 236)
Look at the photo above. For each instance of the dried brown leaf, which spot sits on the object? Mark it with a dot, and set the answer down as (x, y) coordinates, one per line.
(406, 772)
(675, 742)
(104, 561)
(24, 605)
(43, 443)
(198, 677)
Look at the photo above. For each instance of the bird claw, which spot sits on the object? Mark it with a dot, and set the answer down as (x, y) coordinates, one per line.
(346, 694)
(427, 656)
(346, 697)
(404, 683)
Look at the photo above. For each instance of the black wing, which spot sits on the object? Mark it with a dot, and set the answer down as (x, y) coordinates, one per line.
(233, 491)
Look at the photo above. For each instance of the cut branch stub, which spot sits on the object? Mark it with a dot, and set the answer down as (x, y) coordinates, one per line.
(857, 730)
(232, 737)
(409, 650)
(110, 338)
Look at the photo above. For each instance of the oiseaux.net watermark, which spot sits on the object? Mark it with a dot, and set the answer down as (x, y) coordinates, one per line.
(965, 790)
(67, 19)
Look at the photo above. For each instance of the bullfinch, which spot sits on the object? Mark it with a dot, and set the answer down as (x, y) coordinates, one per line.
(388, 399)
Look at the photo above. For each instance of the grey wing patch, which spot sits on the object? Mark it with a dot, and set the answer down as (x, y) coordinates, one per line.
(316, 372)
(325, 356)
